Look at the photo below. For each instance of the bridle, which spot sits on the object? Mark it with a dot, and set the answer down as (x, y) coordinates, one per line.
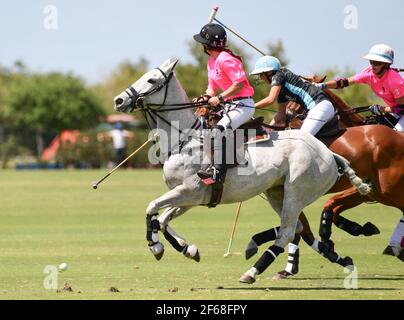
(137, 101)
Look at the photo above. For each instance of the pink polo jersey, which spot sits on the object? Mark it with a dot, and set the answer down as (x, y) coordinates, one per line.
(389, 87)
(226, 70)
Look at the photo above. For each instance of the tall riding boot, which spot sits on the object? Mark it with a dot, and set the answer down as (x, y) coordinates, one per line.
(217, 171)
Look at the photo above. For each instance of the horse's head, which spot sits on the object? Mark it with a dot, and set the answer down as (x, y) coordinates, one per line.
(150, 88)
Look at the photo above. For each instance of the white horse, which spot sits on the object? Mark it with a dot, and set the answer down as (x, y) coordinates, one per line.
(292, 168)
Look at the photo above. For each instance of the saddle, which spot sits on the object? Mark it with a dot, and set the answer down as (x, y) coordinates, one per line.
(209, 118)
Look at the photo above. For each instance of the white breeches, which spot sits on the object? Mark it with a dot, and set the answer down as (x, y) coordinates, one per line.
(317, 117)
(237, 115)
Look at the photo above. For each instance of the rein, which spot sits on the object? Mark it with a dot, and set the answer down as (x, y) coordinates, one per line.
(137, 101)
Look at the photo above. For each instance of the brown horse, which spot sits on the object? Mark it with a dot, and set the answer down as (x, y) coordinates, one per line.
(376, 153)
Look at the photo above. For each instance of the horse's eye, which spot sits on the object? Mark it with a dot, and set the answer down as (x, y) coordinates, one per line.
(151, 81)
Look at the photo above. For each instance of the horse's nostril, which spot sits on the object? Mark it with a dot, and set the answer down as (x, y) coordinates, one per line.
(119, 101)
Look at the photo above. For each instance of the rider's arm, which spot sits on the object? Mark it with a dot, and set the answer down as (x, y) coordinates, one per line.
(339, 83)
(272, 96)
(232, 90)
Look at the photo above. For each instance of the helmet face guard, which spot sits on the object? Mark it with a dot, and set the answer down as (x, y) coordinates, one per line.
(213, 36)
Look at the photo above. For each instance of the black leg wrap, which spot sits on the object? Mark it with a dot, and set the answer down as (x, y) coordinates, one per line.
(265, 236)
(349, 226)
(152, 226)
(148, 229)
(327, 251)
(173, 242)
(345, 262)
(155, 224)
(325, 225)
(267, 258)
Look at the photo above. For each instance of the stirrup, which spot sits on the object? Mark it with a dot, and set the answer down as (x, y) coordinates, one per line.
(210, 176)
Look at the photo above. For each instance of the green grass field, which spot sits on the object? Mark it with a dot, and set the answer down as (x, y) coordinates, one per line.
(49, 217)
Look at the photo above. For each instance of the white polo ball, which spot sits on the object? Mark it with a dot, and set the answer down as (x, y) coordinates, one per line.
(63, 266)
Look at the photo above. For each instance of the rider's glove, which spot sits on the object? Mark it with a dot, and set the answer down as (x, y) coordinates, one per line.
(376, 110)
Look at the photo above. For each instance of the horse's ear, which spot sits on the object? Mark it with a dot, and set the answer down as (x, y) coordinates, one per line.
(169, 65)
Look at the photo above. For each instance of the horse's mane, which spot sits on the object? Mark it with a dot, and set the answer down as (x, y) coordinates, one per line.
(349, 118)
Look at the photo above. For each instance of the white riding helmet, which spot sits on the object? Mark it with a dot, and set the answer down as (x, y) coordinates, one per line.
(381, 53)
(266, 64)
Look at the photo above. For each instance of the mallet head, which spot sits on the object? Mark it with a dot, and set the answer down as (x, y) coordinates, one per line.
(95, 186)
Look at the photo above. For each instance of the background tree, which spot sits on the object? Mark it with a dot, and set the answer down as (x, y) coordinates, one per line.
(49, 103)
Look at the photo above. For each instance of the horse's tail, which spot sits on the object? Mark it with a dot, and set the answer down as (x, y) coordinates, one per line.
(362, 187)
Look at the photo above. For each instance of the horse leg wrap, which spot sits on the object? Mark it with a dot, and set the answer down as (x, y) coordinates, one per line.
(265, 236)
(293, 259)
(267, 258)
(177, 243)
(325, 225)
(349, 226)
(327, 251)
(152, 228)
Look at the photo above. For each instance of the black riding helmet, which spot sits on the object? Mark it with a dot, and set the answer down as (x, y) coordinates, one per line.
(212, 35)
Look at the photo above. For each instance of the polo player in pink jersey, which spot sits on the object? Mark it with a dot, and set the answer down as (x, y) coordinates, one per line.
(387, 84)
(225, 75)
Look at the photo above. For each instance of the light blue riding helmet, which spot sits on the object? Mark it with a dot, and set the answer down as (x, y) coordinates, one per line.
(266, 64)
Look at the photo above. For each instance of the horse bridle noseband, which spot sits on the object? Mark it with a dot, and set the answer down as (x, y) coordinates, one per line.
(137, 98)
(137, 101)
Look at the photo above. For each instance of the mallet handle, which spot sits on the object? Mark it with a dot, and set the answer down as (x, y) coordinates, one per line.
(213, 14)
(127, 158)
(234, 226)
(235, 33)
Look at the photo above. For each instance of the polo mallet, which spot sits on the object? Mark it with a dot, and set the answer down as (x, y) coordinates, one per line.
(213, 14)
(213, 18)
(228, 254)
(95, 184)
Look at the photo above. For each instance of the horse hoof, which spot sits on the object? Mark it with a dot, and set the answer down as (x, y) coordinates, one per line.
(369, 229)
(282, 275)
(249, 276)
(395, 252)
(347, 262)
(192, 252)
(401, 255)
(197, 257)
(158, 250)
(389, 251)
(251, 250)
(246, 278)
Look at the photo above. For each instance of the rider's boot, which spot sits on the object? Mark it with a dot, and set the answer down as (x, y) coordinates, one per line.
(217, 172)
